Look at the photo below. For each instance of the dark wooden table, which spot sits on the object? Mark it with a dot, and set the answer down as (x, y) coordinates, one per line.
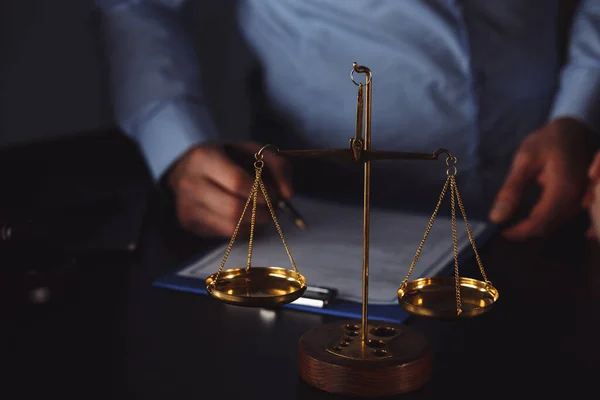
(107, 333)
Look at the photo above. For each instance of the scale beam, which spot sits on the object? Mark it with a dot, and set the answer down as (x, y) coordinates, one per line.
(350, 155)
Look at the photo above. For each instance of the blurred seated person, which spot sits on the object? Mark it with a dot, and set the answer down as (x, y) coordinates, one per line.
(510, 87)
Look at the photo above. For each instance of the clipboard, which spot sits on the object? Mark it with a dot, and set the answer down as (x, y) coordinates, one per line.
(190, 277)
(338, 308)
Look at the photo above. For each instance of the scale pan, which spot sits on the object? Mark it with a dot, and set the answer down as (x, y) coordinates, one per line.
(436, 297)
(257, 286)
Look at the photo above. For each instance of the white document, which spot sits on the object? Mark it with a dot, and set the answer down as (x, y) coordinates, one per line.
(330, 253)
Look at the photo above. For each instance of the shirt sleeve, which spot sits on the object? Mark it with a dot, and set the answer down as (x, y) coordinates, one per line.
(579, 90)
(155, 79)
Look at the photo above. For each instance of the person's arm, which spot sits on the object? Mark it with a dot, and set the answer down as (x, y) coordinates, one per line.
(578, 96)
(557, 154)
(155, 79)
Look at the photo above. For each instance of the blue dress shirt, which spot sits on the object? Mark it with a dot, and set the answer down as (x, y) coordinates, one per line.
(472, 76)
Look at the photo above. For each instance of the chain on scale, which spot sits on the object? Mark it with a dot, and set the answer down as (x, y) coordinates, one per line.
(450, 183)
(253, 197)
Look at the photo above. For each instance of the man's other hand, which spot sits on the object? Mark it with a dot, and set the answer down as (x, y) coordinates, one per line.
(556, 157)
(591, 200)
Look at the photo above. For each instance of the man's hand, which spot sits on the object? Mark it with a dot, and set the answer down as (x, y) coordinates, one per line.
(591, 200)
(557, 158)
(211, 189)
(594, 211)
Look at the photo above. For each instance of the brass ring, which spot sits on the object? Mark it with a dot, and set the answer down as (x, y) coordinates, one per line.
(451, 161)
(368, 80)
(451, 171)
(259, 154)
(259, 164)
(437, 153)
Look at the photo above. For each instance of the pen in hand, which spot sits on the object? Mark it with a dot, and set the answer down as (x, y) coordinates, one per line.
(286, 206)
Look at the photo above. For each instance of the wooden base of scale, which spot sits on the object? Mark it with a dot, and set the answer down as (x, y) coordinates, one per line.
(394, 359)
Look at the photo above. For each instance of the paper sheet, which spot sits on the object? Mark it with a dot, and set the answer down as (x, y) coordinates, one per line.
(330, 253)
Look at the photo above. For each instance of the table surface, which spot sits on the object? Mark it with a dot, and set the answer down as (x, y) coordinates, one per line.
(110, 334)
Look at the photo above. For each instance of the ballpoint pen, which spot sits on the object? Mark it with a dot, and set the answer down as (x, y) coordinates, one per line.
(243, 159)
(316, 297)
(286, 206)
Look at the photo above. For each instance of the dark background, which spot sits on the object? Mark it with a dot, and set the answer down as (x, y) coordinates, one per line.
(51, 76)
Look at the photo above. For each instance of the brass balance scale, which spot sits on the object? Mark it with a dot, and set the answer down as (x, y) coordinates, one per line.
(361, 358)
